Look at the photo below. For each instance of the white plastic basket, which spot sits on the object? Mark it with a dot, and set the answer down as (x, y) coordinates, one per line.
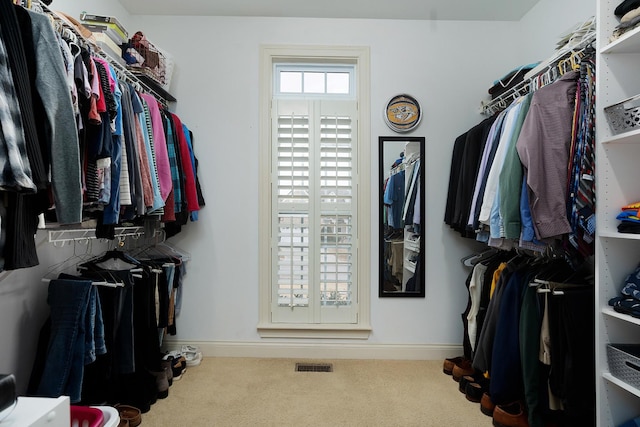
(624, 362)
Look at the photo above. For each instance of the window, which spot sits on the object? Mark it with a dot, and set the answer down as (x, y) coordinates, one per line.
(318, 79)
(314, 227)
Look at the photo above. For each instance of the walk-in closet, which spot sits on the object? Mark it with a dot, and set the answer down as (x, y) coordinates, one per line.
(286, 213)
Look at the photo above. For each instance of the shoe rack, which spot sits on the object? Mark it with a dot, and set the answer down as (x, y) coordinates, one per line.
(617, 184)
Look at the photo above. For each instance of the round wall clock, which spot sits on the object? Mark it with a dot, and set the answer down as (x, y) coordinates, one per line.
(402, 113)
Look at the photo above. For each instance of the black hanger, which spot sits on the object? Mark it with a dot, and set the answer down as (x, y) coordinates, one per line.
(116, 254)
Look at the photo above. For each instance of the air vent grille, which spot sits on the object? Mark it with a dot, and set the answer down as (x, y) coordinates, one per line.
(314, 367)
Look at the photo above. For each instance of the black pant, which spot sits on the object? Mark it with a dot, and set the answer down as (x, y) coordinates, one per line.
(571, 378)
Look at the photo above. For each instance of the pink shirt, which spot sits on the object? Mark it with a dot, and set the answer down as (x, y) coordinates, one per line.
(160, 146)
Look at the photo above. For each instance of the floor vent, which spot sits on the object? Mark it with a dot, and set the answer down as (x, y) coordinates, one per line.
(314, 367)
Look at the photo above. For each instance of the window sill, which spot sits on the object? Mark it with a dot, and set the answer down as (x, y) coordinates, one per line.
(291, 330)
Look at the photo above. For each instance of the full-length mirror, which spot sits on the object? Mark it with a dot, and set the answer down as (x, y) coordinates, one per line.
(401, 171)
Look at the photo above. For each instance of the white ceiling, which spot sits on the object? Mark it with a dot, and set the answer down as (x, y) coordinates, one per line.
(485, 10)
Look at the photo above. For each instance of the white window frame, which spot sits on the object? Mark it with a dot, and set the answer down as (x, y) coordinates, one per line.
(269, 55)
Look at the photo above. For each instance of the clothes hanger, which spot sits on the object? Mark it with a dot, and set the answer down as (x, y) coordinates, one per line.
(567, 288)
(473, 259)
(114, 259)
(109, 279)
(55, 270)
(148, 251)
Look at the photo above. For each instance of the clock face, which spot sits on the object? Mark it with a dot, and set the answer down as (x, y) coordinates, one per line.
(402, 113)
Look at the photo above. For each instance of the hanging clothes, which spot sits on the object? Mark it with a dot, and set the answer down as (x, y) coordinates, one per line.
(529, 132)
(543, 148)
(529, 345)
(475, 141)
(72, 338)
(394, 198)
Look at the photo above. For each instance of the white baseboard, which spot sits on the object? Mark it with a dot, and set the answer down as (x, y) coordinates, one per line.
(321, 350)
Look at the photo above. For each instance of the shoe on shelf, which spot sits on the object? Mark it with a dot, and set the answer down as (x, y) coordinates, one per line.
(511, 415)
(447, 366)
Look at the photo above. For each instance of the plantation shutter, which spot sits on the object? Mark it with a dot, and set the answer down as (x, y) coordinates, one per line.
(314, 244)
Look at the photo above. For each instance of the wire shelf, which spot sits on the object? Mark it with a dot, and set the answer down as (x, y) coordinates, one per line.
(83, 234)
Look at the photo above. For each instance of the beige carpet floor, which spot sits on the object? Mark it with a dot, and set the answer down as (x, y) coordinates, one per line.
(268, 392)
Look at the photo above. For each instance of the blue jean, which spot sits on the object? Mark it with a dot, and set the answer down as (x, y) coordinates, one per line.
(94, 343)
(112, 210)
(74, 310)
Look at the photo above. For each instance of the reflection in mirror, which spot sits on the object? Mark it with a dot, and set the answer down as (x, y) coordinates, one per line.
(401, 214)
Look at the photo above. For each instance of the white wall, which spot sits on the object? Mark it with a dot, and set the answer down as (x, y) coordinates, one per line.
(547, 21)
(443, 64)
(447, 66)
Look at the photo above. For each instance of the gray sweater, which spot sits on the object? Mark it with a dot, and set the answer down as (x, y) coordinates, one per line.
(63, 144)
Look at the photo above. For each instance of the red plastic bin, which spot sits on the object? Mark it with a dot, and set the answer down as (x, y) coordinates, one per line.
(84, 416)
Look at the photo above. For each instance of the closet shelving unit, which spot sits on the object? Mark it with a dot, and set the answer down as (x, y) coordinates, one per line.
(617, 184)
(502, 101)
(144, 82)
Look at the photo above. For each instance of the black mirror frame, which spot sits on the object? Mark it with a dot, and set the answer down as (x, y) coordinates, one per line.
(382, 174)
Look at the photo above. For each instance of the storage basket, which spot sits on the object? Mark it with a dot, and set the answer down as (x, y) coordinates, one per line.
(84, 416)
(110, 414)
(624, 362)
(143, 57)
(624, 116)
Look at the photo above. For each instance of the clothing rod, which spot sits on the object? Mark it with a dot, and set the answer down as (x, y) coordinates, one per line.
(524, 87)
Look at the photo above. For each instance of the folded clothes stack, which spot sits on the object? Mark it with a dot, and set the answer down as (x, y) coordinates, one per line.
(509, 80)
(628, 12)
(629, 300)
(629, 218)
